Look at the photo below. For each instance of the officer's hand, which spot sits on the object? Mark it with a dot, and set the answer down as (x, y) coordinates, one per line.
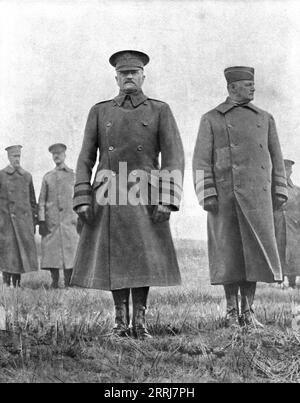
(43, 230)
(279, 201)
(161, 213)
(85, 213)
(211, 204)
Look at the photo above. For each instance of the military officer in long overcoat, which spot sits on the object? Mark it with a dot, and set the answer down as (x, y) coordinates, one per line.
(287, 227)
(126, 246)
(18, 218)
(57, 219)
(239, 175)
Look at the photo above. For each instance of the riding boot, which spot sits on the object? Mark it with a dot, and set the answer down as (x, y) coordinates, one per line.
(67, 276)
(6, 278)
(16, 280)
(248, 290)
(232, 302)
(139, 301)
(122, 318)
(55, 278)
(292, 281)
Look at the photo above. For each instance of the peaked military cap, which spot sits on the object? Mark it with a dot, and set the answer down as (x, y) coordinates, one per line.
(289, 163)
(13, 149)
(57, 148)
(129, 60)
(238, 73)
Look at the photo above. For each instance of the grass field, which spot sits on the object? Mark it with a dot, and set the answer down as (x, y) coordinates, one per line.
(64, 336)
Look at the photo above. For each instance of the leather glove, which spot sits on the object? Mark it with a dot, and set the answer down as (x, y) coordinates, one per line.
(211, 204)
(85, 214)
(279, 201)
(161, 213)
(43, 230)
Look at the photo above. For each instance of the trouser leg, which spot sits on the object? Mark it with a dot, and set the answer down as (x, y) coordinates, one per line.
(16, 280)
(248, 290)
(122, 318)
(292, 281)
(54, 277)
(67, 276)
(139, 301)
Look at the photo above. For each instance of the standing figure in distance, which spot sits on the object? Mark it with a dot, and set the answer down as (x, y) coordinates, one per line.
(57, 220)
(287, 228)
(127, 248)
(18, 218)
(239, 175)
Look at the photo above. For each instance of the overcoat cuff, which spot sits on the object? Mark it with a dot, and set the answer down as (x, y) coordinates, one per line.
(281, 190)
(82, 195)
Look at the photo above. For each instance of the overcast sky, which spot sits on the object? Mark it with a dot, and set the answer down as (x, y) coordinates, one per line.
(54, 67)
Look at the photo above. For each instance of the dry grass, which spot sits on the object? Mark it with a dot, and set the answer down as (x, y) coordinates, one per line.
(64, 336)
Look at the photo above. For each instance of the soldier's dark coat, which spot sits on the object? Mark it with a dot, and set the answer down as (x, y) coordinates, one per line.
(287, 226)
(18, 214)
(123, 247)
(239, 152)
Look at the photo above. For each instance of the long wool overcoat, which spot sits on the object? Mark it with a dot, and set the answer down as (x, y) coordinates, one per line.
(238, 159)
(122, 247)
(18, 215)
(287, 228)
(56, 210)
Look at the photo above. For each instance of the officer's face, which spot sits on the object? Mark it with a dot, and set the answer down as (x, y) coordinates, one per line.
(243, 90)
(59, 157)
(131, 80)
(15, 159)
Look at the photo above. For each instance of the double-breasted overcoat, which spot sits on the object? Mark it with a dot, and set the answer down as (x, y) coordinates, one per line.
(122, 247)
(56, 210)
(238, 159)
(287, 227)
(18, 216)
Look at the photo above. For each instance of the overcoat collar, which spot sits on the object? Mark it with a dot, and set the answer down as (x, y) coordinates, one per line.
(11, 170)
(137, 98)
(290, 183)
(228, 105)
(63, 167)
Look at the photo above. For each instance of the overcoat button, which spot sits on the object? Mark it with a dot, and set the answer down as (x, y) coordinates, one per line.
(261, 146)
(229, 126)
(108, 124)
(265, 188)
(111, 148)
(258, 125)
(139, 148)
(262, 167)
(145, 123)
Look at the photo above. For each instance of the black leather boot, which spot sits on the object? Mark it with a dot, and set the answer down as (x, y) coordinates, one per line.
(232, 309)
(67, 277)
(248, 319)
(55, 278)
(6, 278)
(122, 318)
(139, 301)
(16, 280)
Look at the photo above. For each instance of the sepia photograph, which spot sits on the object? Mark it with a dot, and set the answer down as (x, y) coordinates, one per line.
(149, 194)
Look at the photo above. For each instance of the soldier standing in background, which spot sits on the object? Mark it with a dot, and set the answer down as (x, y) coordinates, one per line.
(239, 153)
(18, 218)
(127, 248)
(287, 226)
(57, 220)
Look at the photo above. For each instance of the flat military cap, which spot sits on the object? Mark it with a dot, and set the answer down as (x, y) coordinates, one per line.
(57, 148)
(129, 60)
(13, 149)
(289, 163)
(238, 73)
